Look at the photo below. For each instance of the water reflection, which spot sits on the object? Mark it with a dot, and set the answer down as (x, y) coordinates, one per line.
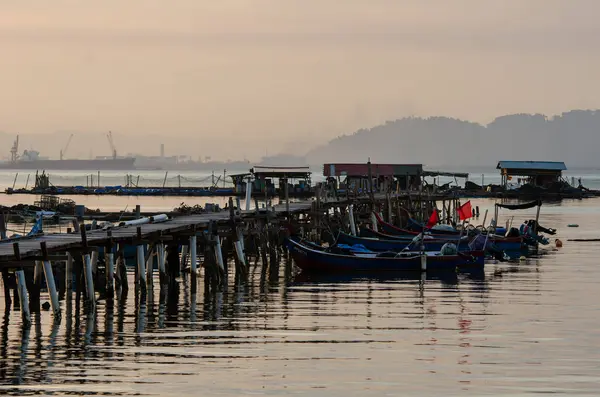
(380, 333)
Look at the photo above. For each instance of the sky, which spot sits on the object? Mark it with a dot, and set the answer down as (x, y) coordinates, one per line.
(241, 78)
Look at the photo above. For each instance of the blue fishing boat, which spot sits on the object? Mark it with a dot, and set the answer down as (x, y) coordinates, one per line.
(500, 243)
(391, 244)
(366, 232)
(313, 258)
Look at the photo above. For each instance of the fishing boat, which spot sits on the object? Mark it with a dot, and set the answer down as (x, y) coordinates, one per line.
(501, 243)
(391, 244)
(390, 229)
(314, 258)
(367, 232)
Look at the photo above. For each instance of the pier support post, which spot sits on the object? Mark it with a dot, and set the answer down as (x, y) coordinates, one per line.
(34, 286)
(193, 254)
(374, 222)
(150, 266)
(87, 271)
(50, 283)
(219, 254)
(351, 219)
(110, 274)
(184, 256)
(242, 267)
(37, 272)
(22, 289)
(23, 298)
(248, 194)
(141, 266)
(160, 253)
(94, 259)
(287, 197)
(109, 260)
(6, 284)
(173, 265)
(69, 276)
(89, 280)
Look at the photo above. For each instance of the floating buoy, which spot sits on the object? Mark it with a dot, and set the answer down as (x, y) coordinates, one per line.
(522, 258)
(558, 243)
(573, 225)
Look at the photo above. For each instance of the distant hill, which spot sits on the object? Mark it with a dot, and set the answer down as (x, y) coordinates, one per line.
(573, 137)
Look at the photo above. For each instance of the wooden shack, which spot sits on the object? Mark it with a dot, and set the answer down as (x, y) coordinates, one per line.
(536, 173)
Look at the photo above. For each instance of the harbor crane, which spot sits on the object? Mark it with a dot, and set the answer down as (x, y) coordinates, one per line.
(63, 151)
(14, 151)
(112, 145)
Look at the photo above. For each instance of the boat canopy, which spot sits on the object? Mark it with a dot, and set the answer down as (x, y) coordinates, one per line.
(523, 206)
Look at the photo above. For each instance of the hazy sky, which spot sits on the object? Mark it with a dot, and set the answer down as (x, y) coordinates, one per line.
(285, 72)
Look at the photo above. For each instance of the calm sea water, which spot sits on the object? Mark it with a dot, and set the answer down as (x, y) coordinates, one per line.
(521, 328)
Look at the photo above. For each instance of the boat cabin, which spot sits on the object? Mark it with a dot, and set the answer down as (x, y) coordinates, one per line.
(384, 176)
(263, 180)
(536, 173)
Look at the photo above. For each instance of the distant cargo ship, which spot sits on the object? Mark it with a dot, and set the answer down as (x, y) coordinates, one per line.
(126, 163)
(31, 160)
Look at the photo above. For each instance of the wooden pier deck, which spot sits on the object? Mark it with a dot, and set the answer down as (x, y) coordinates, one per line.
(57, 242)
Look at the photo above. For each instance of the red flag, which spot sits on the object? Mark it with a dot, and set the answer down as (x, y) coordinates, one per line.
(465, 211)
(433, 219)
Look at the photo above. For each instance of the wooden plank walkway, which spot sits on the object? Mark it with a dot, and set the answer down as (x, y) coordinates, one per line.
(61, 241)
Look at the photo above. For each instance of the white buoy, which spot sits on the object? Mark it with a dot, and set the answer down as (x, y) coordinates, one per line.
(159, 218)
(135, 222)
(193, 255)
(423, 262)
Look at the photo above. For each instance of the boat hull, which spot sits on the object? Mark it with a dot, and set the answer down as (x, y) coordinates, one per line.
(311, 259)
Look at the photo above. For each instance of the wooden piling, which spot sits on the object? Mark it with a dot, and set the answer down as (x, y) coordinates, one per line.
(109, 260)
(6, 284)
(94, 260)
(193, 254)
(2, 226)
(141, 266)
(50, 283)
(219, 254)
(185, 249)
(68, 276)
(150, 256)
(87, 270)
(160, 254)
(22, 289)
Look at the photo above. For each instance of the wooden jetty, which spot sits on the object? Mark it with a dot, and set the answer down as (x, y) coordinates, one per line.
(92, 264)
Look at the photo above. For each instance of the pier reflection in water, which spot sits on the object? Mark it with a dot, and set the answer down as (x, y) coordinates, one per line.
(507, 330)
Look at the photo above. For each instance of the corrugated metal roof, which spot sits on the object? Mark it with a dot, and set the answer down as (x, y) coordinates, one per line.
(533, 165)
(362, 169)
